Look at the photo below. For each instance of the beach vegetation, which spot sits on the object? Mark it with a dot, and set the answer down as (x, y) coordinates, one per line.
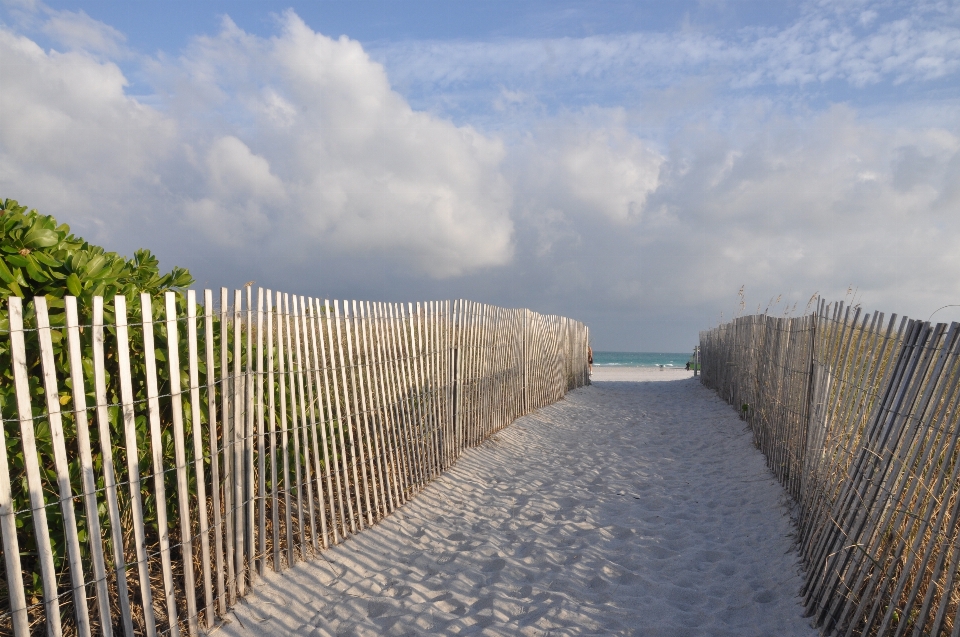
(40, 257)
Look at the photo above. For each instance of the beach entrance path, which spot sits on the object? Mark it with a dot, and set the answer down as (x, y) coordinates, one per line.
(628, 508)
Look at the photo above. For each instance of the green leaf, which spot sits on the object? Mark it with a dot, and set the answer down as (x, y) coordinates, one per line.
(40, 238)
(73, 284)
(18, 260)
(46, 259)
(34, 272)
(5, 272)
(94, 265)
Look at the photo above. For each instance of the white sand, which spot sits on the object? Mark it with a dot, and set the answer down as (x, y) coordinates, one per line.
(628, 508)
(633, 374)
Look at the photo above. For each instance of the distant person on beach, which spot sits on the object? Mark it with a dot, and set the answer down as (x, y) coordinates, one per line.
(590, 358)
(688, 366)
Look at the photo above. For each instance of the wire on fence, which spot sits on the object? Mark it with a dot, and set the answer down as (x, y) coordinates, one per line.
(151, 471)
(860, 421)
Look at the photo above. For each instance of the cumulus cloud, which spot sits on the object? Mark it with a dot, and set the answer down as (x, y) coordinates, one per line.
(295, 142)
(795, 205)
(70, 138)
(592, 171)
(78, 31)
(579, 172)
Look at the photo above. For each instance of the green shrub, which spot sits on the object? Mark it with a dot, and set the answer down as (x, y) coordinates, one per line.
(39, 257)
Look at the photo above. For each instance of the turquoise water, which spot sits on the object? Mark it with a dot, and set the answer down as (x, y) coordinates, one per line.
(640, 359)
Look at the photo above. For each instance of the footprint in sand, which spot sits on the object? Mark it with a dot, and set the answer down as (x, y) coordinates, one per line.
(690, 547)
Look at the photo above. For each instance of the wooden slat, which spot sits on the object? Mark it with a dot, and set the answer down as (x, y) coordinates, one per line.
(55, 420)
(282, 312)
(878, 460)
(11, 548)
(399, 386)
(441, 375)
(323, 387)
(470, 363)
(391, 357)
(447, 367)
(409, 404)
(109, 471)
(429, 393)
(426, 389)
(399, 399)
(365, 409)
(355, 430)
(383, 413)
(180, 455)
(227, 418)
(329, 441)
(237, 422)
(388, 414)
(417, 384)
(384, 410)
(288, 318)
(302, 435)
(214, 435)
(457, 377)
(272, 411)
(133, 469)
(261, 452)
(156, 449)
(436, 383)
(198, 457)
(934, 482)
(476, 375)
(481, 375)
(8, 519)
(343, 497)
(249, 490)
(88, 479)
(312, 374)
(403, 398)
(346, 422)
(41, 529)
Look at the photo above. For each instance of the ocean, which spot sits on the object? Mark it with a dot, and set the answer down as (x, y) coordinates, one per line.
(640, 359)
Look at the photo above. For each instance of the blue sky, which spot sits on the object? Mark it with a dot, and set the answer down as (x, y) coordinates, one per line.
(631, 164)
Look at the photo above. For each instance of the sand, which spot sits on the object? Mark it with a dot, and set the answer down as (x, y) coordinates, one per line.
(628, 508)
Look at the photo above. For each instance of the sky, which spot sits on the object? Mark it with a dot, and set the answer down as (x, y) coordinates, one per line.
(649, 168)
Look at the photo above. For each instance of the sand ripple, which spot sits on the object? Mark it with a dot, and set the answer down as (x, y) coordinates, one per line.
(629, 508)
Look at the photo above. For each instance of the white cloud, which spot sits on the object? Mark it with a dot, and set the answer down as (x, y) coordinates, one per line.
(78, 31)
(295, 141)
(352, 167)
(826, 42)
(596, 170)
(814, 204)
(70, 138)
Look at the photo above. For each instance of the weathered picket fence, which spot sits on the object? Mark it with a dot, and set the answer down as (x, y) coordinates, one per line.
(859, 420)
(180, 452)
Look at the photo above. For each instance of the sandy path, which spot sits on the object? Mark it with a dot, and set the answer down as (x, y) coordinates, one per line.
(629, 508)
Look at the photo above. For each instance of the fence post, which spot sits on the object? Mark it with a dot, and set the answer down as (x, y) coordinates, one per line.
(421, 386)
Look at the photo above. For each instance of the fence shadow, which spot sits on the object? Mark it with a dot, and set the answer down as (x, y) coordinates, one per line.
(158, 460)
(858, 418)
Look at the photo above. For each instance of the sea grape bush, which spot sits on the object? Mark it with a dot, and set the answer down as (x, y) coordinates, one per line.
(39, 257)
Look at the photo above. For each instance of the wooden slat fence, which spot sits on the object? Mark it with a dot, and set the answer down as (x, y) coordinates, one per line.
(858, 418)
(157, 459)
